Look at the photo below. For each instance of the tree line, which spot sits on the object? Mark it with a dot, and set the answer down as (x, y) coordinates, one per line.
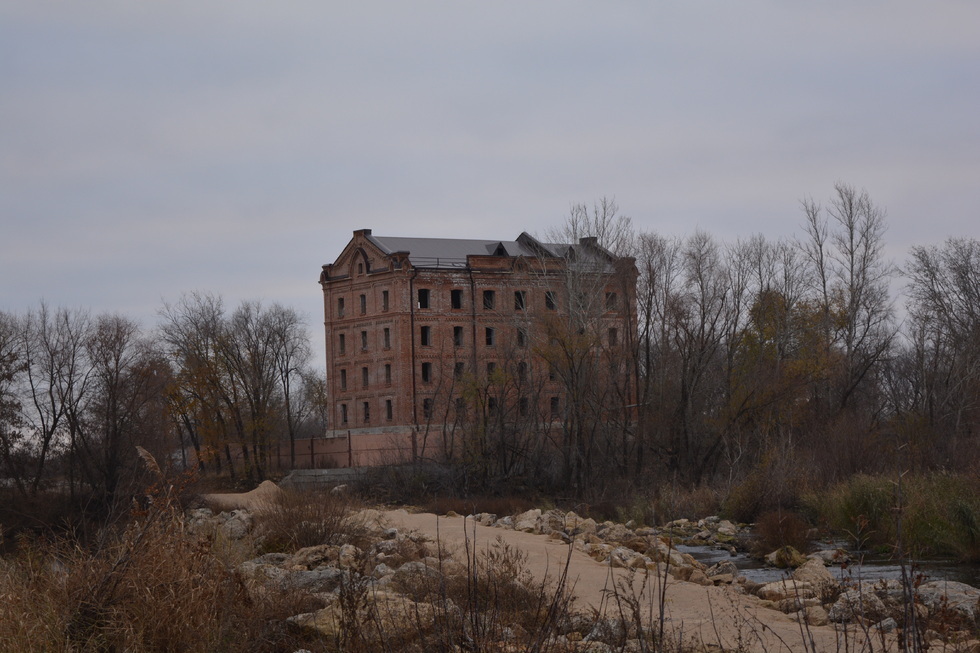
(79, 392)
(766, 364)
(760, 363)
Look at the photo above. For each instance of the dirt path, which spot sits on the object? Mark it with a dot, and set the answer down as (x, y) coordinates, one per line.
(713, 616)
(706, 617)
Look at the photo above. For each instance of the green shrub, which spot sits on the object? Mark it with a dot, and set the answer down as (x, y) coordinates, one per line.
(939, 513)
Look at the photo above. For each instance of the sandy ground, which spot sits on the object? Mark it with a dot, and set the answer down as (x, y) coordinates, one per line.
(704, 616)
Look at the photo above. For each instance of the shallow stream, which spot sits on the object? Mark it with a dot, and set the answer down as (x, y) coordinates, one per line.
(869, 569)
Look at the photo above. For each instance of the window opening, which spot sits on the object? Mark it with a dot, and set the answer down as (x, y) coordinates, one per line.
(520, 300)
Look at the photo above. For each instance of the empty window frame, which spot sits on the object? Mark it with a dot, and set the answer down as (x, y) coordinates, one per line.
(613, 337)
(343, 379)
(456, 298)
(364, 377)
(363, 300)
(489, 300)
(340, 307)
(386, 337)
(520, 300)
(491, 368)
(523, 405)
(342, 344)
(611, 301)
(551, 300)
(423, 295)
(367, 411)
(458, 370)
(522, 371)
(343, 413)
(555, 407)
(364, 341)
(521, 337)
(491, 336)
(457, 336)
(389, 410)
(426, 372)
(384, 300)
(427, 408)
(388, 373)
(425, 336)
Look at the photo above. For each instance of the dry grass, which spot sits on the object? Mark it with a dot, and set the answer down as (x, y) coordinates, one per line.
(147, 587)
(299, 519)
(778, 528)
(490, 599)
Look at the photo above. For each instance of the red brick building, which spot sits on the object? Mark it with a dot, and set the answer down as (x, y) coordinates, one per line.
(429, 340)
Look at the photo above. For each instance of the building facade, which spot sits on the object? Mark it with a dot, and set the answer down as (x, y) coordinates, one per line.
(430, 341)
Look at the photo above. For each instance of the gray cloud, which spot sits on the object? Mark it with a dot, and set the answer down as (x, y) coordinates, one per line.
(155, 148)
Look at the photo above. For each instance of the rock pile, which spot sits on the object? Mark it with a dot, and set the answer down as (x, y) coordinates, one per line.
(379, 572)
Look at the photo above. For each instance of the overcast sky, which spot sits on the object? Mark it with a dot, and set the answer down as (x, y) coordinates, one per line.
(148, 149)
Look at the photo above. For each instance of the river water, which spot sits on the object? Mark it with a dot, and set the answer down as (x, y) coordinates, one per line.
(868, 569)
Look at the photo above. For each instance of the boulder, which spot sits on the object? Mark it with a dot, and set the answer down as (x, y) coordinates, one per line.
(816, 574)
(862, 603)
(385, 617)
(313, 556)
(581, 526)
(886, 625)
(814, 615)
(528, 522)
(725, 567)
(785, 557)
(485, 518)
(324, 579)
(553, 520)
(615, 533)
(786, 589)
(960, 598)
(727, 528)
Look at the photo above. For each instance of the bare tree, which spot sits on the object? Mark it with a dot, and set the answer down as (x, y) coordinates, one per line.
(236, 374)
(56, 379)
(844, 248)
(291, 351)
(596, 283)
(943, 357)
(192, 333)
(125, 406)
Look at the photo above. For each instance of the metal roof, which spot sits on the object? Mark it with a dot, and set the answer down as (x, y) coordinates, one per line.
(452, 252)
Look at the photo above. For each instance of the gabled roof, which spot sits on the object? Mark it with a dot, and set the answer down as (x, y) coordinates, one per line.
(452, 252)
